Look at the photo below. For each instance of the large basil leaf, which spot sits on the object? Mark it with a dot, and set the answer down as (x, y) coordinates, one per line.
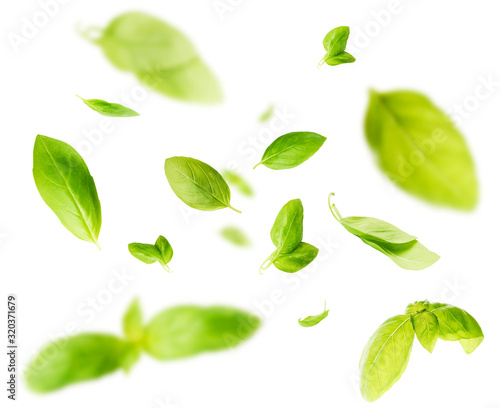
(335, 43)
(426, 328)
(109, 109)
(79, 358)
(160, 252)
(296, 260)
(386, 356)
(457, 324)
(65, 184)
(290, 150)
(287, 230)
(374, 229)
(160, 56)
(133, 326)
(185, 331)
(311, 321)
(199, 185)
(420, 149)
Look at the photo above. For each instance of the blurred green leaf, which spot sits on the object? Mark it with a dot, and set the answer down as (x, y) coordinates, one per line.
(109, 109)
(133, 326)
(236, 236)
(267, 114)
(238, 181)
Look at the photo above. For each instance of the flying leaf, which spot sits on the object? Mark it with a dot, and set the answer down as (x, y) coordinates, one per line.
(236, 236)
(133, 325)
(160, 252)
(310, 321)
(334, 44)
(296, 260)
(109, 109)
(238, 181)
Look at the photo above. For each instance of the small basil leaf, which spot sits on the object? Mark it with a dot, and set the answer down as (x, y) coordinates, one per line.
(236, 236)
(65, 184)
(342, 58)
(287, 230)
(386, 356)
(374, 229)
(420, 149)
(109, 109)
(237, 181)
(290, 150)
(457, 324)
(197, 184)
(296, 260)
(267, 114)
(133, 326)
(426, 328)
(185, 331)
(334, 44)
(161, 252)
(79, 358)
(310, 321)
(166, 251)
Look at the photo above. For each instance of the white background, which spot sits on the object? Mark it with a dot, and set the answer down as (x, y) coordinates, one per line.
(263, 52)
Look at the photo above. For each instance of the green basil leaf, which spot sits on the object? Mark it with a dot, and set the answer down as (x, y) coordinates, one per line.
(109, 109)
(79, 358)
(197, 184)
(236, 236)
(417, 307)
(161, 252)
(310, 321)
(166, 251)
(160, 56)
(426, 328)
(290, 150)
(65, 184)
(185, 331)
(374, 229)
(457, 324)
(386, 356)
(334, 44)
(296, 260)
(342, 58)
(237, 181)
(287, 230)
(267, 114)
(133, 325)
(420, 149)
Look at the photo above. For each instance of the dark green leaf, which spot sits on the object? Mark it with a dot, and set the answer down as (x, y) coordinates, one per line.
(133, 325)
(296, 260)
(239, 182)
(236, 236)
(109, 109)
(65, 184)
(310, 321)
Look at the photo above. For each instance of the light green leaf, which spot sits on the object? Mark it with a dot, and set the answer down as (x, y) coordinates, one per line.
(310, 321)
(342, 58)
(386, 356)
(287, 230)
(236, 236)
(296, 260)
(161, 252)
(334, 44)
(65, 184)
(185, 331)
(290, 150)
(133, 325)
(109, 109)
(374, 229)
(197, 184)
(426, 328)
(420, 149)
(267, 114)
(238, 181)
(79, 358)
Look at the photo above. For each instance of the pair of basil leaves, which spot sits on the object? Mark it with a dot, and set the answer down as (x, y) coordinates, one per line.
(334, 44)
(291, 254)
(178, 332)
(160, 56)
(402, 248)
(160, 252)
(387, 352)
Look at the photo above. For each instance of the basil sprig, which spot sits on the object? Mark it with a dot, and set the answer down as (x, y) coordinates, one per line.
(160, 252)
(402, 248)
(291, 254)
(175, 333)
(335, 43)
(387, 352)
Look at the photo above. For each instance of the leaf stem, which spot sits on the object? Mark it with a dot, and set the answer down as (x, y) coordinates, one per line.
(97, 245)
(166, 267)
(234, 209)
(254, 167)
(333, 208)
(268, 262)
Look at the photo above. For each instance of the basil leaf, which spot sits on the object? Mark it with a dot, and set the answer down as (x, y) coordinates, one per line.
(79, 358)
(185, 331)
(65, 184)
(197, 184)
(335, 43)
(237, 181)
(290, 150)
(160, 252)
(426, 328)
(287, 230)
(374, 229)
(267, 114)
(133, 326)
(235, 236)
(420, 149)
(386, 356)
(160, 56)
(310, 321)
(109, 109)
(296, 260)
(457, 324)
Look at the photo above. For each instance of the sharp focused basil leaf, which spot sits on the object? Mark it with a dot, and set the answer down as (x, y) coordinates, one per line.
(298, 259)
(420, 149)
(109, 109)
(457, 324)
(199, 185)
(79, 358)
(160, 56)
(237, 181)
(160, 252)
(185, 331)
(236, 236)
(334, 43)
(310, 321)
(290, 150)
(133, 326)
(403, 249)
(426, 328)
(65, 184)
(267, 114)
(386, 356)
